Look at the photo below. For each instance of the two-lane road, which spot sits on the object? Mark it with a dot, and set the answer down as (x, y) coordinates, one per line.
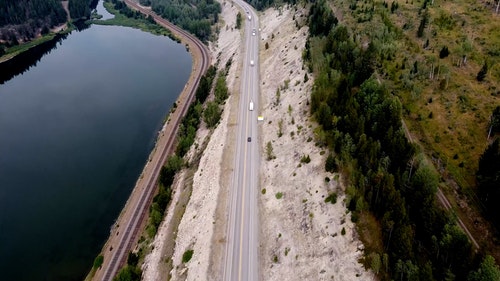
(241, 260)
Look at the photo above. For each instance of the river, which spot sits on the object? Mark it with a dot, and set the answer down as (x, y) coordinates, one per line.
(75, 133)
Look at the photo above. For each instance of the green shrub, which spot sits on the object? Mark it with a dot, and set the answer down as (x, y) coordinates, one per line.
(212, 114)
(332, 198)
(188, 254)
(305, 159)
(98, 261)
(330, 165)
(129, 273)
(133, 259)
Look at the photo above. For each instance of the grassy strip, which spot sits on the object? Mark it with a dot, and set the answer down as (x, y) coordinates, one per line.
(139, 21)
(13, 51)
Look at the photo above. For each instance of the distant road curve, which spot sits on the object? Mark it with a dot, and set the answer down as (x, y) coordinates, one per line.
(136, 209)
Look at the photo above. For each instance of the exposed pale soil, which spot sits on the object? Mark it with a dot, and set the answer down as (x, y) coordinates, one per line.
(300, 234)
(198, 228)
(300, 229)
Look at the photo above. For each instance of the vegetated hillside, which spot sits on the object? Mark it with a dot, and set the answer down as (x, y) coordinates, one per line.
(196, 16)
(430, 54)
(370, 73)
(441, 59)
(23, 20)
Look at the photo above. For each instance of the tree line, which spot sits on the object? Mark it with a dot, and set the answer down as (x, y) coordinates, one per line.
(80, 9)
(360, 121)
(122, 8)
(196, 16)
(23, 20)
(263, 4)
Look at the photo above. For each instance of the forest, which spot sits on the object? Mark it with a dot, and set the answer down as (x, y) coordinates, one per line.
(23, 20)
(391, 184)
(196, 16)
(80, 9)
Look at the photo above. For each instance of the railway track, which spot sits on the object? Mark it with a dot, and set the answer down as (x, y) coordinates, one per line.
(140, 210)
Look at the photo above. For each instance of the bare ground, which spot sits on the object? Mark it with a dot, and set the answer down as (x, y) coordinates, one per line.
(301, 235)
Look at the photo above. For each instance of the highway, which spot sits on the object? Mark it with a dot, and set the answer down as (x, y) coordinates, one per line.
(136, 209)
(242, 248)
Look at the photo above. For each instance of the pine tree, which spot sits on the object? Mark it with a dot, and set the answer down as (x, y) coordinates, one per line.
(482, 73)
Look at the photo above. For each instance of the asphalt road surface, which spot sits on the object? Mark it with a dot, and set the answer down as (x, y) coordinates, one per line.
(241, 260)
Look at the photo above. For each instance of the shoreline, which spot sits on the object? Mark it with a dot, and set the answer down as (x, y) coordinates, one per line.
(31, 44)
(167, 132)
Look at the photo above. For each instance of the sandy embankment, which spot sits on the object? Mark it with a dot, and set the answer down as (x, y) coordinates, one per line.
(198, 225)
(300, 235)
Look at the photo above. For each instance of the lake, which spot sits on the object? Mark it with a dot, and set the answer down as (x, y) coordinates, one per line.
(75, 133)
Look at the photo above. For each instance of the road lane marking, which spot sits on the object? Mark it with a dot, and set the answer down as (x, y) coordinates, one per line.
(243, 189)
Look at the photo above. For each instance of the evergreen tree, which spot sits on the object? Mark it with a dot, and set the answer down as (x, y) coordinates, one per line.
(444, 52)
(482, 73)
(423, 23)
(488, 271)
(495, 120)
(488, 178)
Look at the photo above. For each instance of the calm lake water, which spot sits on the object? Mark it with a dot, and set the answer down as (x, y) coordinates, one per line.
(75, 133)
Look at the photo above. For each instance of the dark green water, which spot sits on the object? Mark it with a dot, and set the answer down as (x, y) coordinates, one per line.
(75, 133)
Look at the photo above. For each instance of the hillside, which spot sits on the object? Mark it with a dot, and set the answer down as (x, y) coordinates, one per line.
(429, 55)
